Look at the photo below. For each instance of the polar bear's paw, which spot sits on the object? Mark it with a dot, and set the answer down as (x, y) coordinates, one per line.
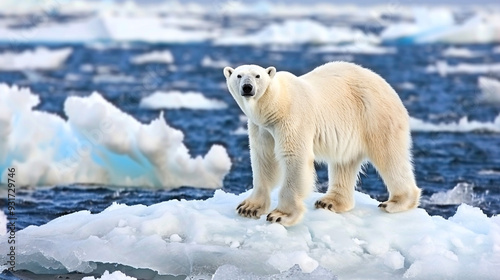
(251, 209)
(335, 203)
(399, 203)
(286, 219)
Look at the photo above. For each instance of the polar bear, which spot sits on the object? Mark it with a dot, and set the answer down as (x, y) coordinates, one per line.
(339, 113)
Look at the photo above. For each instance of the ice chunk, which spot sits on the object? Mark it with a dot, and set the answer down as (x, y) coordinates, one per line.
(490, 90)
(117, 275)
(231, 272)
(463, 125)
(207, 61)
(38, 59)
(178, 100)
(196, 238)
(98, 144)
(164, 56)
(299, 32)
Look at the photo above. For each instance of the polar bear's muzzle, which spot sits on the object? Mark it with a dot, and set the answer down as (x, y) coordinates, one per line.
(247, 90)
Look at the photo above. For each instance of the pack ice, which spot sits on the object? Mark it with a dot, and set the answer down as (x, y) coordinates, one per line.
(208, 238)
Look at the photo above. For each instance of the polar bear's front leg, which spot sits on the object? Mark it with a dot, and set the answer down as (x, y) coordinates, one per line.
(265, 171)
(298, 183)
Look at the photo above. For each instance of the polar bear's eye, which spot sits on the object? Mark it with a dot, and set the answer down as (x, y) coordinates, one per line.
(258, 76)
(239, 76)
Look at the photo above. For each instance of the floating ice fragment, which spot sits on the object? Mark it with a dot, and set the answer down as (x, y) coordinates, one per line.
(179, 100)
(38, 59)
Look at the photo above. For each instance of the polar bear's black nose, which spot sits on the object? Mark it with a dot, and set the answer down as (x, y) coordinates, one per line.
(247, 89)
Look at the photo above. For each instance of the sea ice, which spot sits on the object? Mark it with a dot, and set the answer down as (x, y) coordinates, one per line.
(178, 100)
(460, 52)
(197, 237)
(98, 144)
(38, 59)
(443, 68)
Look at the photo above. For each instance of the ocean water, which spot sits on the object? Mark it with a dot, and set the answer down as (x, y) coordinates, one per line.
(442, 160)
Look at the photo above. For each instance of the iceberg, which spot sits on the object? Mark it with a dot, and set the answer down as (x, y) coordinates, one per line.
(117, 275)
(98, 144)
(38, 59)
(178, 100)
(194, 238)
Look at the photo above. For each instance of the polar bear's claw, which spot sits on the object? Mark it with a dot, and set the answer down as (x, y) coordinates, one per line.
(251, 209)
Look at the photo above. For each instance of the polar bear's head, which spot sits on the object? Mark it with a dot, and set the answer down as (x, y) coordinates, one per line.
(248, 81)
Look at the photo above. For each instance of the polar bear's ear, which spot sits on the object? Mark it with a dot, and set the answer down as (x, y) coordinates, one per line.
(228, 71)
(271, 71)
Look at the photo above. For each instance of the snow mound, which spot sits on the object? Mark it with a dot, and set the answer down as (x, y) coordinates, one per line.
(154, 57)
(460, 52)
(361, 48)
(461, 193)
(490, 90)
(443, 68)
(358, 244)
(178, 100)
(98, 144)
(117, 275)
(463, 125)
(439, 25)
(38, 59)
(299, 32)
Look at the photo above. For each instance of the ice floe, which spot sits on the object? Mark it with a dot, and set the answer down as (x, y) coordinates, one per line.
(460, 52)
(179, 100)
(443, 68)
(439, 25)
(38, 59)
(490, 90)
(164, 56)
(463, 125)
(299, 32)
(98, 144)
(361, 48)
(461, 193)
(214, 240)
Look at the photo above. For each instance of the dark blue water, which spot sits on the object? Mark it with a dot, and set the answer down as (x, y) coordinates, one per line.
(441, 159)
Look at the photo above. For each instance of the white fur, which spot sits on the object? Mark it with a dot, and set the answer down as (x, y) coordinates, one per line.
(339, 113)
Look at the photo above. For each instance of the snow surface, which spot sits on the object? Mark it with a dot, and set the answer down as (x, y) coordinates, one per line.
(443, 68)
(490, 90)
(38, 59)
(299, 32)
(178, 100)
(164, 56)
(463, 125)
(361, 243)
(98, 144)
(117, 275)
